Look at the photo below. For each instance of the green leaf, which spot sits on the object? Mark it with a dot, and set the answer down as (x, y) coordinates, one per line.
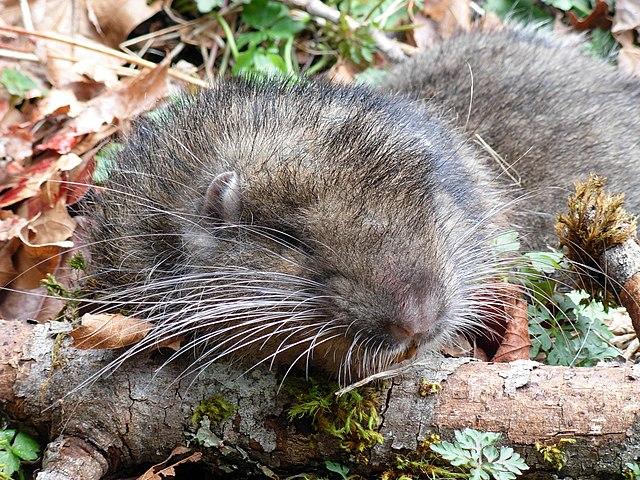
(253, 39)
(6, 436)
(506, 242)
(563, 5)
(545, 262)
(25, 447)
(205, 6)
(261, 14)
(9, 463)
(285, 27)
(105, 162)
(16, 82)
(337, 468)
(602, 44)
(525, 10)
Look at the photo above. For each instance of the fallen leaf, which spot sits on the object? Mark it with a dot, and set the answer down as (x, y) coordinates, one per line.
(629, 54)
(516, 343)
(130, 99)
(626, 16)
(7, 270)
(109, 331)
(16, 143)
(116, 20)
(343, 72)
(28, 183)
(33, 264)
(10, 225)
(52, 227)
(452, 16)
(598, 18)
(425, 35)
(167, 469)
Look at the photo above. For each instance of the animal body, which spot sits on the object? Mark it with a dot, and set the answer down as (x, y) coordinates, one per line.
(302, 223)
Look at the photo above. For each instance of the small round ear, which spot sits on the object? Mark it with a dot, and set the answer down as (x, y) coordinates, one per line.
(223, 200)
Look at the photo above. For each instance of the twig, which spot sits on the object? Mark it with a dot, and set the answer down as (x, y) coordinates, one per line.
(104, 50)
(26, 15)
(392, 49)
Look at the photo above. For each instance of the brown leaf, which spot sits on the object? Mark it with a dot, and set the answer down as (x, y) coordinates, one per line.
(627, 16)
(130, 99)
(342, 72)
(116, 20)
(167, 469)
(10, 225)
(515, 341)
(629, 54)
(109, 331)
(33, 264)
(425, 35)
(7, 270)
(598, 18)
(452, 16)
(52, 227)
(28, 182)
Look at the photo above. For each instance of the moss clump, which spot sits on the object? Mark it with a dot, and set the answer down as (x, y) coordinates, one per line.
(427, 388)
(554, 453)
(77, 262)
(70, 311)
(216, 408)
(594, 222)
(352, 417)
(423, 463)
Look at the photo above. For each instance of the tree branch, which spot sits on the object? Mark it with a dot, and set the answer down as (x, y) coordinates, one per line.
(139, 415)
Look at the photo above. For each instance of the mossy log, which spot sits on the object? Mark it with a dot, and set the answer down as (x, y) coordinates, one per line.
(138, 415)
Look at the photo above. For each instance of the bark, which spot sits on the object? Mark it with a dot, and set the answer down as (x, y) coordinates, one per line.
(138, 415)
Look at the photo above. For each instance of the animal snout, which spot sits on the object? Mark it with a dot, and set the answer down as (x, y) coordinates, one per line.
(415, 319)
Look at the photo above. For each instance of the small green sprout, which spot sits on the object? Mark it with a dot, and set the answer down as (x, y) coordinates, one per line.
(16, 448)
(216, 408)
(554, 454)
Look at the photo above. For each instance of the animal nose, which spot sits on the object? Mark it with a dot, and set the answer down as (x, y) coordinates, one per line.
(409, 328)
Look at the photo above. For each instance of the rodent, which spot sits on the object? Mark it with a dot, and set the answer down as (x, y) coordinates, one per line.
(349, 227)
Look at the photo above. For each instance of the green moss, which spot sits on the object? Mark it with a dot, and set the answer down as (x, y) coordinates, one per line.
(351, 418)
(70, 311)
(554, 453)
(77, 262)
(427, 388)
(216, 408)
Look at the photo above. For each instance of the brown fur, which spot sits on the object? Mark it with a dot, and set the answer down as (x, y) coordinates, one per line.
(367, 214)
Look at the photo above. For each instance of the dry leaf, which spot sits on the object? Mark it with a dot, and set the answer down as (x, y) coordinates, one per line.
(116, 20)
(167, 469)
(598, 18)
(627, 16)
(452, 16)
(28, 183)
(10, 225)
(52, 227)
(342, 72)
(109, 331)
(629, 54)
(425, 35)
(7, 270)
(132, 98)
(516, 343)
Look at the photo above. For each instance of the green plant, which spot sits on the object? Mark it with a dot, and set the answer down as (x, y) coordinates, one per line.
(554, 453)
(352, 418)
(267, 46)
(572, 334)
(18, 84)
(338, 468)
(632, 471)
(15, 449)
(567, 328)
(476, 454)
(216, 408)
